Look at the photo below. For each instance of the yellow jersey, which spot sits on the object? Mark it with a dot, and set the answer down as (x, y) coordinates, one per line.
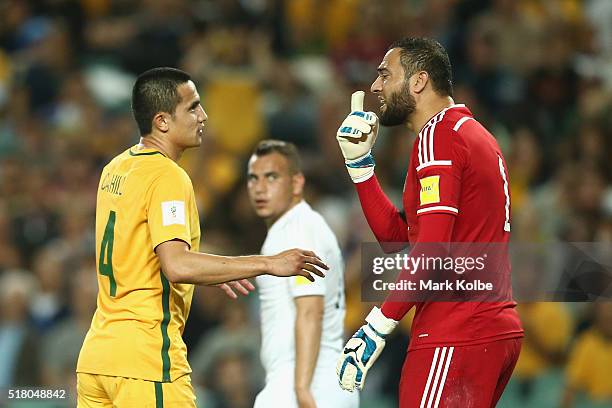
(144, 199)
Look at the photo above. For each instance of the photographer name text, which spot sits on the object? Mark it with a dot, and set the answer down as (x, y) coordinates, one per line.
(431, 285)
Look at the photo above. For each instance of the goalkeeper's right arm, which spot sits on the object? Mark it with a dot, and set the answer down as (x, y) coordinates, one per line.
(356, 137)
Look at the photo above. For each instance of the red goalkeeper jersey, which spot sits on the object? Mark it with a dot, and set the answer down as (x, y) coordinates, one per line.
(457, 181)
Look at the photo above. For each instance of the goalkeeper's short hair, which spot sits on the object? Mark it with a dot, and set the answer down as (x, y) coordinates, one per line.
(286, 149)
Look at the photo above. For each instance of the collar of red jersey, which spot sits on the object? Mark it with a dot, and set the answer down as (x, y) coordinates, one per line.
(433, 118)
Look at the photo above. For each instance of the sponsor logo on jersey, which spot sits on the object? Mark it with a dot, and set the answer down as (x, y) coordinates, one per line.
(430, 190)
(173, 212)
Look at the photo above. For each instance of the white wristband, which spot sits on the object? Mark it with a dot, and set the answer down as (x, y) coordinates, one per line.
(380, 322)
(360, 175)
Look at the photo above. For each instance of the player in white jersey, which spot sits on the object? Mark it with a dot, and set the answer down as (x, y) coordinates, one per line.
(301, 321)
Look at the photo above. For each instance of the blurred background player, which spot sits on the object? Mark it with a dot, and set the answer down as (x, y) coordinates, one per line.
(147, 237)
(301, 321)
(456, 190)
(589, 362)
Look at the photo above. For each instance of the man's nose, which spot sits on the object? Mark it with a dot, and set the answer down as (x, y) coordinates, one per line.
(376, 86)
(203, 117)
(260, 186)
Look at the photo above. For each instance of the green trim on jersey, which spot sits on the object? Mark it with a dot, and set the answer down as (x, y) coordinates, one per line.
(165, 355)
(144, 153)
(159, 395)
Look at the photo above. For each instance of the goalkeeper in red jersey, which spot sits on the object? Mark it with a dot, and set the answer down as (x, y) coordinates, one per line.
(461, 353)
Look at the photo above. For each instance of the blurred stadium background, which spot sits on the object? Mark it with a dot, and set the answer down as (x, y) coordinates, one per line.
(538, 73)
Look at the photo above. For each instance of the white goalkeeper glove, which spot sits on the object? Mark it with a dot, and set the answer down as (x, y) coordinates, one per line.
(362, 350)
(356, 136)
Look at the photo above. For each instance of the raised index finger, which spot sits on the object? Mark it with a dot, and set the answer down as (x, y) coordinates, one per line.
(357, 101)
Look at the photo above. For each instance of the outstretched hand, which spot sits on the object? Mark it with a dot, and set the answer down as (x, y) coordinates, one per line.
(297, 262)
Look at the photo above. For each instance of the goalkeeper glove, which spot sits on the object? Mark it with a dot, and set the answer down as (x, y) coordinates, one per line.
(356, 136)
(362, 350)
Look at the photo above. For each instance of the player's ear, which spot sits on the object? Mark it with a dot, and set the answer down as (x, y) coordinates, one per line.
(419, 81)
(161, 122)
(298, 183)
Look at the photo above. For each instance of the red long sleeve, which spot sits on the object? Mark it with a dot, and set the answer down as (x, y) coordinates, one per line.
(434, 227)
(383, 217)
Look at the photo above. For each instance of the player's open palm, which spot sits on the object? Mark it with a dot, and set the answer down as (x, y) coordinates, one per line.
(297, 262)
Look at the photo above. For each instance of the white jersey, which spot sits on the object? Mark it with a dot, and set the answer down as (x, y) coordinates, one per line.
(302, 227)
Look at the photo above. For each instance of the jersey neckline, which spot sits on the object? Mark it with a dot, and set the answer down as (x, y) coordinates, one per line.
(433, 118)
(147, 151)
(288, 215)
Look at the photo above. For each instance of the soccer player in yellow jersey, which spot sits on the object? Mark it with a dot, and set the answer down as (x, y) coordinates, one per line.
(147, 239)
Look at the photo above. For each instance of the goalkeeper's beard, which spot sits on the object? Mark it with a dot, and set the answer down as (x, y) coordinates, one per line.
(399, 107)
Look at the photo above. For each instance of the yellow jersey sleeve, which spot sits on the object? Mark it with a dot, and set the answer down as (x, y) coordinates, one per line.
(169, 209)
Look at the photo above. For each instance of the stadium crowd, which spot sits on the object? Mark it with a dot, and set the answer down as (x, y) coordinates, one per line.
(537, 73)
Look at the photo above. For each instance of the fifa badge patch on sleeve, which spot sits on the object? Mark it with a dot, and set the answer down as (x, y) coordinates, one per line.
(301, 280)
(173, 212)
(430, 190)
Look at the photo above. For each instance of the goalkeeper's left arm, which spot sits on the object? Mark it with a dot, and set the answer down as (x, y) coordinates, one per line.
(362, 350)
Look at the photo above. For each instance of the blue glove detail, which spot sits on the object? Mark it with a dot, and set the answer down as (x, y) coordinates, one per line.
(347, 361)
(360, 352)
(349, 130)
(369, 348)
(366, 161)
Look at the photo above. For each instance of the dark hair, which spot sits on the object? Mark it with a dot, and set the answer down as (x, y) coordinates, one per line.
(286, 149)
(425, 54)
(155, 91)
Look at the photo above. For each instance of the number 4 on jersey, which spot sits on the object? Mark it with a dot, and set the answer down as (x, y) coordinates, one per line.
(106, 251)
